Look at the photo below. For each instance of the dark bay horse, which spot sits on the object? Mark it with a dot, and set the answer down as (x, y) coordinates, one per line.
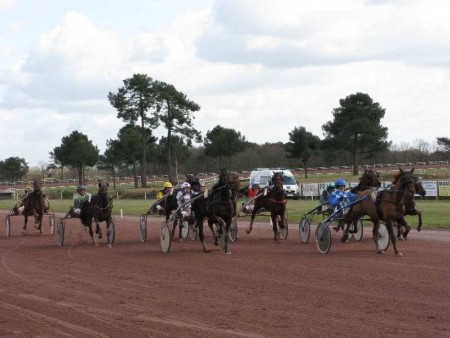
(387, 207)
(99, 209)
(221, 206)
(410, 209)
(32, 204)
(274, 200)
(370, 180)
(201, 210)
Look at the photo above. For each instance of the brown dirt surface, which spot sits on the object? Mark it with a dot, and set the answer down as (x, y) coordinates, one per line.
(264, 289)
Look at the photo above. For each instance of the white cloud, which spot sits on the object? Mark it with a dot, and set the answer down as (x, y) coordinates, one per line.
(6, 4)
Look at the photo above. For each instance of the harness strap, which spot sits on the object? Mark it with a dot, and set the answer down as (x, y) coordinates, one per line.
(279, 202)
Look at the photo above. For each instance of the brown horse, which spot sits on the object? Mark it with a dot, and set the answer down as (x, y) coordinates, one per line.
(274, 200)
(387, 207)
(221, 207)
(32, 204)
(99, 209)
(369, 180)
(410, 209)
(201, 211)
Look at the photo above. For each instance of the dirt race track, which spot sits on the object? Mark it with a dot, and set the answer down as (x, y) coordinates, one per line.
(263, 289)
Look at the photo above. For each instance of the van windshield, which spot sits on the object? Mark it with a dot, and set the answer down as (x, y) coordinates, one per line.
(289, 180)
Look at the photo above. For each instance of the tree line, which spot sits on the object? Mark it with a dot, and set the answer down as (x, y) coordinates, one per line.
(354, 136)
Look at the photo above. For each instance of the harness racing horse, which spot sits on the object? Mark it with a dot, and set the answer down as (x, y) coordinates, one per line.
(273, 199)
(221, 208)
(410, 209)
(200, 208)
(370, 180)
(387, 207)
(32, 204)
(99, 209)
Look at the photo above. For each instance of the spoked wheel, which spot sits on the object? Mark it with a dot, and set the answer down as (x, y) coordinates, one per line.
(184, 229)
(51, 219)
(323, 238)
(383, 237)
(233, 234)
(111, 232)
(8, 226)
(304, 229)
(60, 228)
(221, 233)
(358, 234)
(193, 231)
(284, 230)
(166, 240)
(143, 227)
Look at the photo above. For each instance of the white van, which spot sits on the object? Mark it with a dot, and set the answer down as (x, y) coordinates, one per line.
(262, 176)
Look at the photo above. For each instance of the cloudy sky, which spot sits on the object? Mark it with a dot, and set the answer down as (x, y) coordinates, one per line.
(260, 67)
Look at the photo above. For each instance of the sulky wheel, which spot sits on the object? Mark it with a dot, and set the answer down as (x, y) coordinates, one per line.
(284, 230)
(51, 219)
(8, 226)
(323, 238)
(358, 234)
(143, 227)
(111, 232)
(165, 237)
(60, 228)
(383, 237)
(304, 229)
(233, 234)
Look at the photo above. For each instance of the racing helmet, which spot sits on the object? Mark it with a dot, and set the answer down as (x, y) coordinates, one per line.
(80, 188)
(340, 182)
(185, 185)
(167, 185)
(330, 186)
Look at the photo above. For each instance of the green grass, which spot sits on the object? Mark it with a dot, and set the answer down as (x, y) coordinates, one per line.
(435, 213)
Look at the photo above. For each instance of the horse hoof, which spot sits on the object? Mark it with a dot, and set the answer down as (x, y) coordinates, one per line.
(248, 231)
(109, 246)
(206, 251)
(100, 235)
(228, 253)
(399, 254)
(336, 229)
(381, 252)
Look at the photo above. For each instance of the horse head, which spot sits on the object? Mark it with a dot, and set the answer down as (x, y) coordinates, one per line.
(37, 186)
(102, 187)
(233, 182)
(370, 179)
(405, 180)
(277, 180)
(419, 188)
